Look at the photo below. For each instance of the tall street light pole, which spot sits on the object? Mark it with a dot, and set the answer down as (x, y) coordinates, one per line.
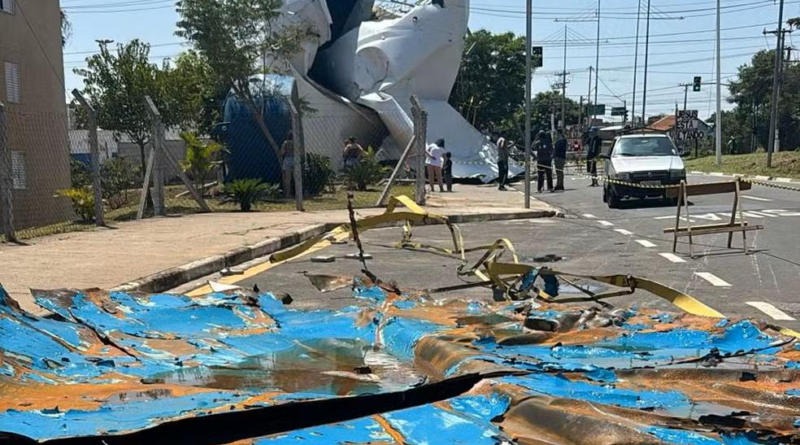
(719, 85)
(636, 60)
(528, 94)
(597, 64)
(646, 62)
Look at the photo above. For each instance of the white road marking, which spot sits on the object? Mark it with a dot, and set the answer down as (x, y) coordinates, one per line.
(713, 279)
(754, 215)
(770, 310)
(664, 217)
(716, 174)
(589, 216)
(756, 198)
(709, 217)
(762, 215)
(783, 180)
(782, 212)
(761, 178)
(645, 243)
(672, 257)
(606, 223)
(624, 232)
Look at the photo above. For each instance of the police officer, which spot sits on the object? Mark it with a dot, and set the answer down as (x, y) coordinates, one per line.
(544, 161)
(560, 158)
(595, 147)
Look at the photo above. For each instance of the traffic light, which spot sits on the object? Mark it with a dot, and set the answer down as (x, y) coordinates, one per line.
(698, 84)
(537, 54)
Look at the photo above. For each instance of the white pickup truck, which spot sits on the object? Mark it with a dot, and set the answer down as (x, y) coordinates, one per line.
(645, 159)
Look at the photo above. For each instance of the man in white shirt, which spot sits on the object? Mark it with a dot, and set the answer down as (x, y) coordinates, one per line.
(434, 162)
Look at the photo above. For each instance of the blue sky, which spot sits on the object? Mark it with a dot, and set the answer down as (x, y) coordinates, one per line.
(682, 40)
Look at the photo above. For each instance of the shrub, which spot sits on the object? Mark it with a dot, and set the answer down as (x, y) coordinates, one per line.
(80, 173)
(82, 202)
(201, 159)
(118, 177)
(367, 172)
(317, 174)
(246, 192)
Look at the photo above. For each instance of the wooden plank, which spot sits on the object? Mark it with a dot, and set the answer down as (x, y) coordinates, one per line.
(385, 194)
(151, 160)
(707, 226)
(711, 188)
(94, 150)
(696, 232)
(185, 179)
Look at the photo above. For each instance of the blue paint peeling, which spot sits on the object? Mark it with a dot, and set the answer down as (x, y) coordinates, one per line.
(431, 425)
(400, 335)
(374, 293)
(482, 407)
(356, 431)
(680, 436)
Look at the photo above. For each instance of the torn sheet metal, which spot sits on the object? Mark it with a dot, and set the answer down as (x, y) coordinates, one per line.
(128, 367)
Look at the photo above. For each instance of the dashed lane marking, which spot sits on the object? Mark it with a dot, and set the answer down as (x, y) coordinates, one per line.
(645, 243)
(589, 216)
(713, 279)
(771, 310)
(606, 223)
(624, 232)
(759, 214)
(756, 198)
(672, 257)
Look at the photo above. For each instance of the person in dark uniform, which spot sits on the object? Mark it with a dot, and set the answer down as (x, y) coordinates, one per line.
(544, 161)
(447, 170)
(595, 146)
(560, 159)
(502, 159)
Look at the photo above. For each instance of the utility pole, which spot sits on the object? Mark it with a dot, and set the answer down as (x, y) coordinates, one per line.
(580, 114)
(597, 64)
(776, 85)
(564, 84)
(685, 94)
(589, 98)
(636, 59)
(646, 63)
(528, 94)
(718, 141)
(625, 116)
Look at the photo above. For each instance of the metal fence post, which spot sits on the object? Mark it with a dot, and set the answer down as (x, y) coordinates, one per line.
(6, 183)
(157, 140)
(420, 136)
(94, 149)
(299, 152)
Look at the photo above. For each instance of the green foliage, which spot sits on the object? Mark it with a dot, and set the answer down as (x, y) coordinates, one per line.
(490, 87)
(247, 192)
(116, 84)
(367, 172)
(195, 93)
(751, 91)
(118, 177)
(82, 202)
(80, 174)
(201, 158)
(317, 174)
(234, 36)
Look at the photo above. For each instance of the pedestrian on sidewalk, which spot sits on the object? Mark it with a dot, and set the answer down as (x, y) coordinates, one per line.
(447, 171)
(560, 159)
(595, 147)
(434, 162)
(502, 159)
(544, 161)
(287, 164)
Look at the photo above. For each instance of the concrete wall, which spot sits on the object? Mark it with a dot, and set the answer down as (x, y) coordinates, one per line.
(37, 125)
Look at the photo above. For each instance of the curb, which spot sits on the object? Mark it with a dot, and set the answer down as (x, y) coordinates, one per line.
(175, 277)
(756, 178)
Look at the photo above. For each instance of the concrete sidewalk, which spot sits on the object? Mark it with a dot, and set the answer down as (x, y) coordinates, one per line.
(151, 255)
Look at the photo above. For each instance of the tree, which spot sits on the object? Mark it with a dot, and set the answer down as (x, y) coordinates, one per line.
(236, 37)
(195, 93)
(751, 92)
(66, 29)
(490, 87)
(116, 84)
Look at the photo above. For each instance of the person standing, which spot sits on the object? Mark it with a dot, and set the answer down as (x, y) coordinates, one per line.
(448, 171)
(502, 160)
(544, 161)
(595, 147)
(353, 153)
(434, 162)
(287, 163)
(560, 159)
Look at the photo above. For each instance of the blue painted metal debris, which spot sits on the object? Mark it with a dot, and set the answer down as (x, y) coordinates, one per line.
(111, 364)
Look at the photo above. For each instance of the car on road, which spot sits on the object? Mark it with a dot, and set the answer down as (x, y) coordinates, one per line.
(646, 162)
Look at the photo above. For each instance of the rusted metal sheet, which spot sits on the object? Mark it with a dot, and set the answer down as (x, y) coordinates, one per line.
(400, 368)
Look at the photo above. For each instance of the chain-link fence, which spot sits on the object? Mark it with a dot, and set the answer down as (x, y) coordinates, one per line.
(63, 178)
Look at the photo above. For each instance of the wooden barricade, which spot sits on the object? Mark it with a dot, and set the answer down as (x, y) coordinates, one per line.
(683, 193)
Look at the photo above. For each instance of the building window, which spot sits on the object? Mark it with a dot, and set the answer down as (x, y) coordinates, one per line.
(7, 6)
(12, 83)
(18, 175)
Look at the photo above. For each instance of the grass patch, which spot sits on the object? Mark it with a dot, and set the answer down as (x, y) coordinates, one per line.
(185, 206)
(785, 165)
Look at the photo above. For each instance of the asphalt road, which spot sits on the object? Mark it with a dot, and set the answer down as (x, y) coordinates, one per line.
(596, 240)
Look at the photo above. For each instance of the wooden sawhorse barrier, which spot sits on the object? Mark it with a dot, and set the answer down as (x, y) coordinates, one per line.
(684, 191)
